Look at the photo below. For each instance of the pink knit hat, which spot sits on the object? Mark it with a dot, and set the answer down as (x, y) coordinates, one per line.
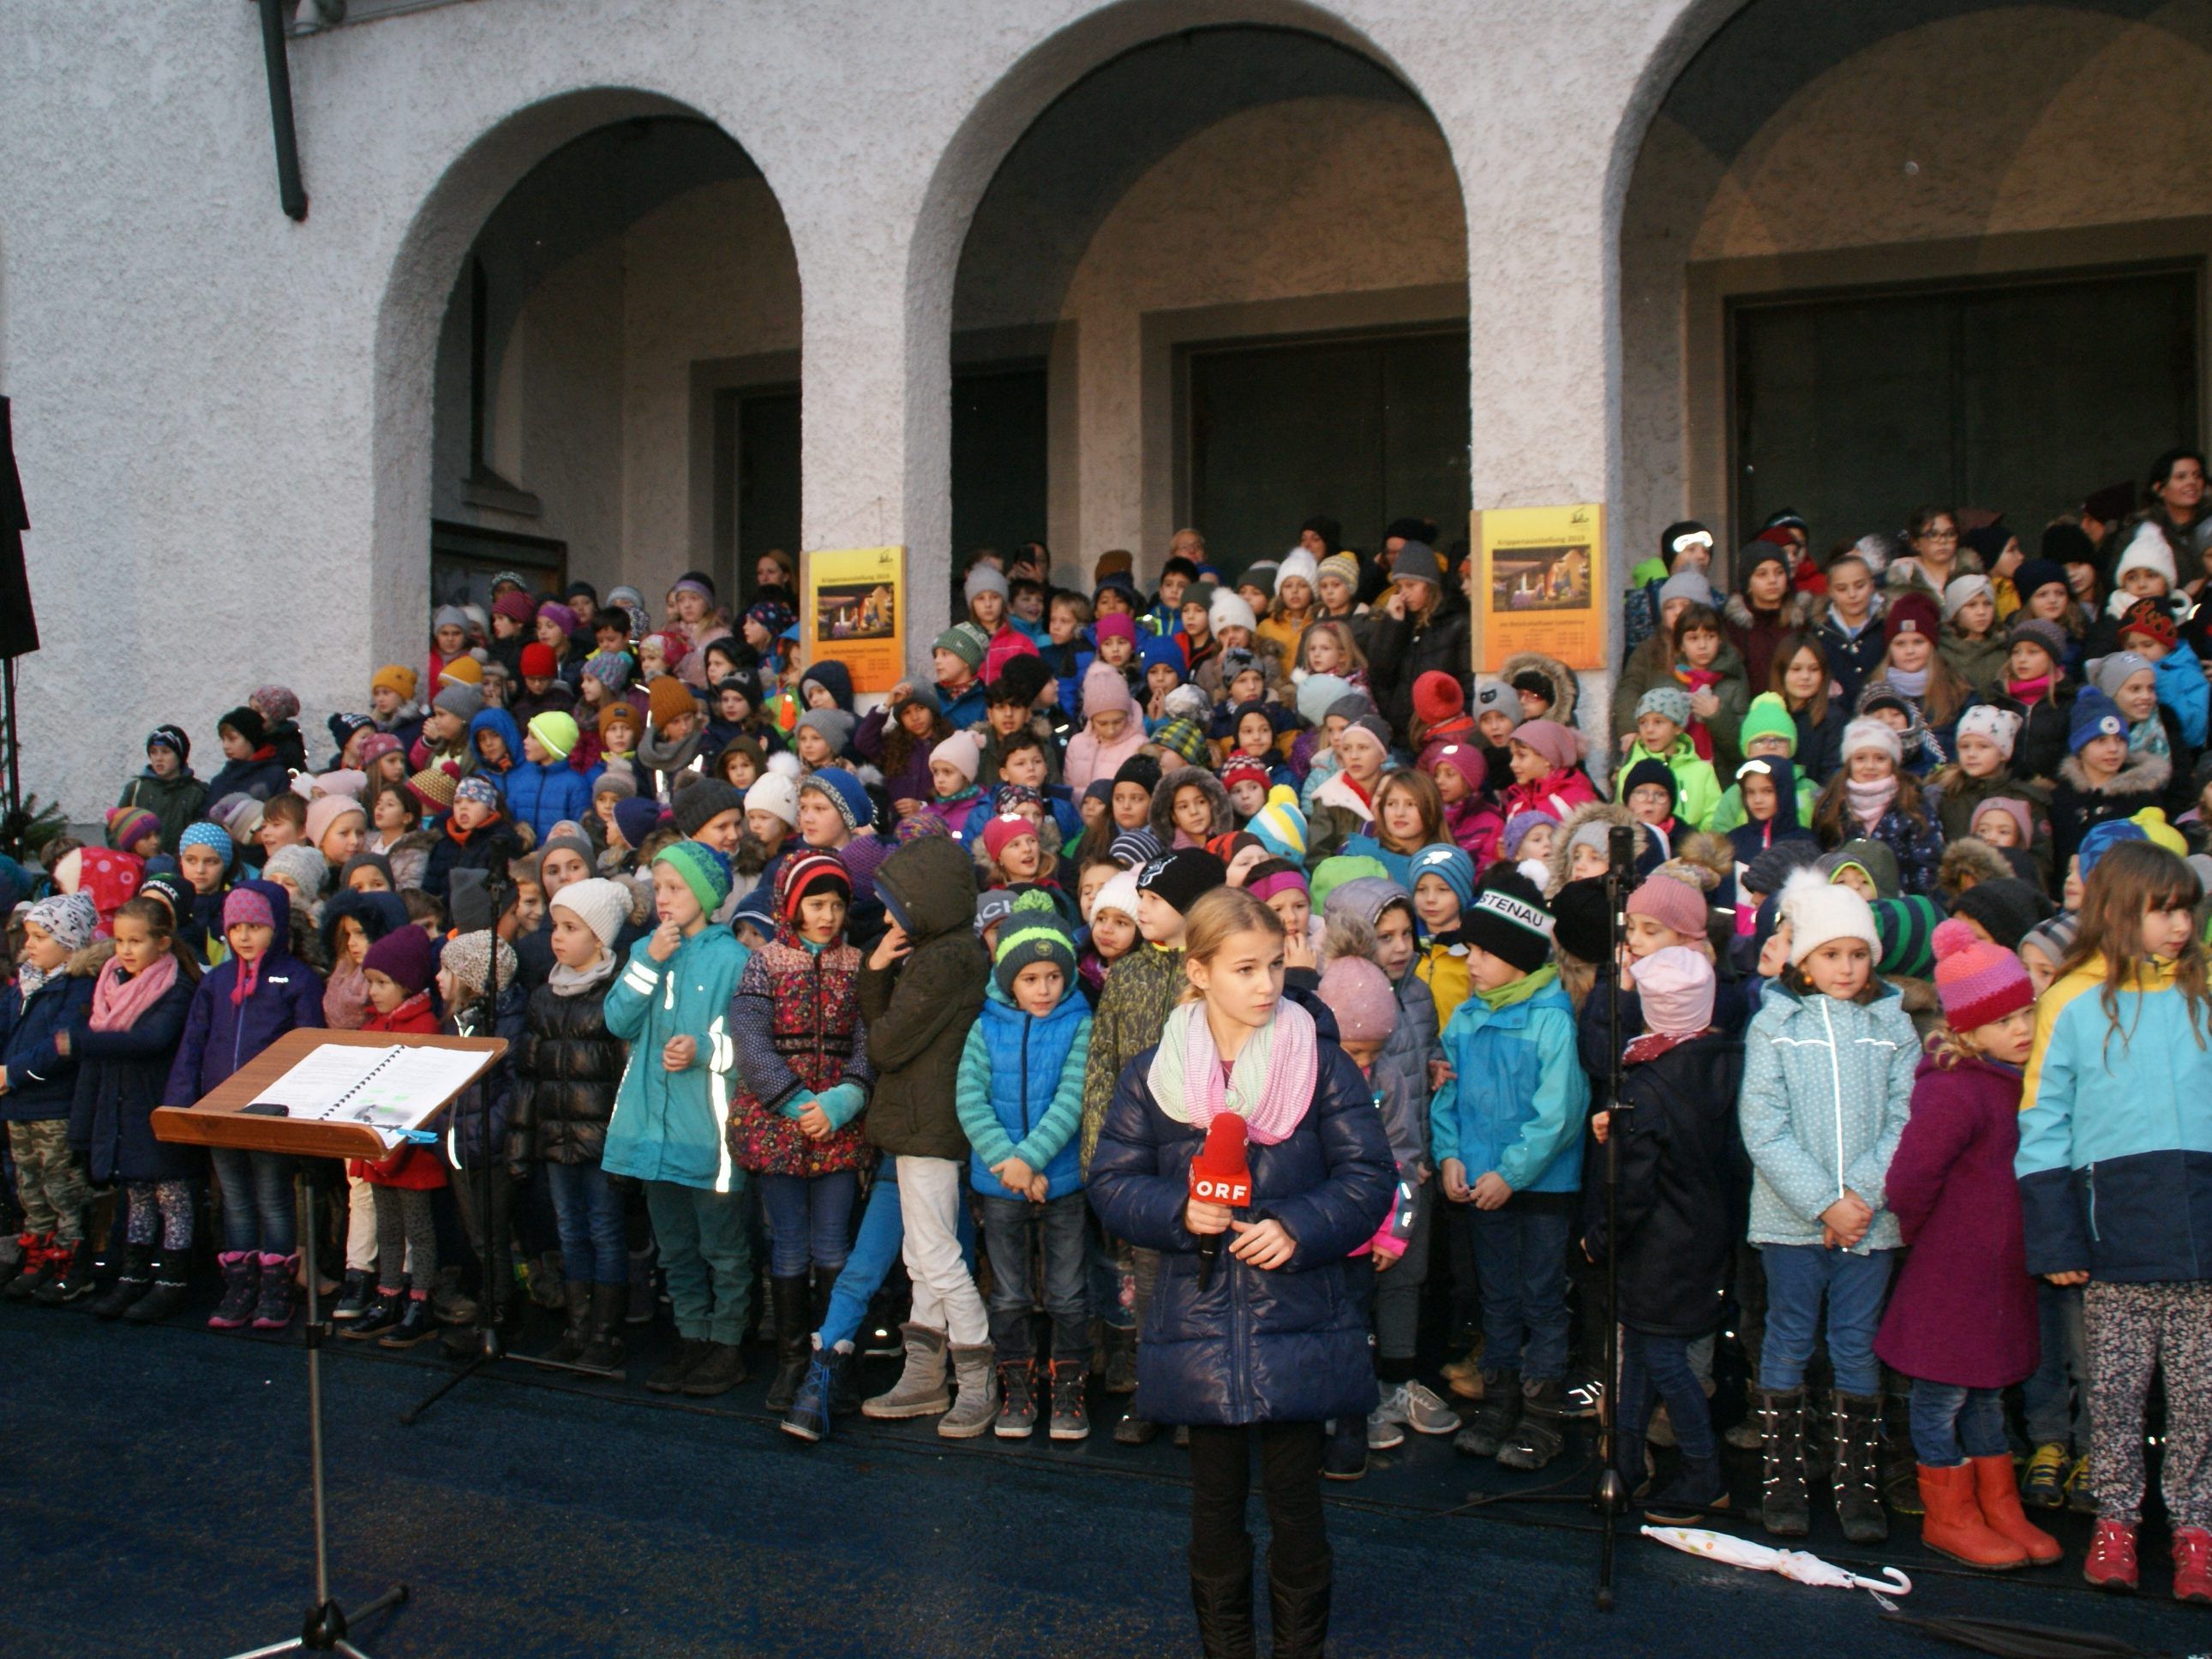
(1978, 982)
(1360, 997)
(1675, 986)
(1003, 831)
(1670, 901)
(1553, 741)
(324, 813)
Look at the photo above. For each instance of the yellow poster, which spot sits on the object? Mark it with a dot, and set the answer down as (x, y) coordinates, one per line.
(1540, 575)
(853, 609)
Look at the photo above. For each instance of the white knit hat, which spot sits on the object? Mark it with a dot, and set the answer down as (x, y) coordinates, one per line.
(1818, 911)
(1963, 588)
(1296, 563)
(1867, 733)
(960, 751)
(772, 792)
(1228, 610)
(1120, 893)
(2147, 550)
(601, 905)
(2000, 726)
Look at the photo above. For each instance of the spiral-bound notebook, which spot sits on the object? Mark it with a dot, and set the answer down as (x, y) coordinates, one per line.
(390, 1091)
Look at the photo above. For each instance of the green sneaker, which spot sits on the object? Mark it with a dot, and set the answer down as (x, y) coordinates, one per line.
(2044, 1484)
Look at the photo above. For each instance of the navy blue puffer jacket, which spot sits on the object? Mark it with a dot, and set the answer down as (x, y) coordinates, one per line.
(1284, 1347)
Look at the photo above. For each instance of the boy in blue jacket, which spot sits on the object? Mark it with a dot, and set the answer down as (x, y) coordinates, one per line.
(1511, 1114)
(671, 1120)
(1020, 1099)
(37, 1084)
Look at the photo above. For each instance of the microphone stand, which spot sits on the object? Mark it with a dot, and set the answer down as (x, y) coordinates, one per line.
(1612, 1495)
(490, 1341)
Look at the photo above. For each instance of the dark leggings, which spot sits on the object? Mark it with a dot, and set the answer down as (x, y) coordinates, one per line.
(1290, 1481)
(403, 1217)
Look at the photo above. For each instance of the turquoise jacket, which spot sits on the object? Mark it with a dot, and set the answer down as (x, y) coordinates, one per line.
(1827, 1086)
(672, 1125)
(1517, 1097)
(1020, 1090)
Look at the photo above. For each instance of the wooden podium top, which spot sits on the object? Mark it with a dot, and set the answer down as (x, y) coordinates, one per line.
(219, 1119)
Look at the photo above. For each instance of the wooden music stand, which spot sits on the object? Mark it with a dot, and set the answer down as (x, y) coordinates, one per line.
(219, 1120)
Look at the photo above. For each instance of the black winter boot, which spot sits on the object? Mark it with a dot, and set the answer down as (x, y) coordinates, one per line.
(1496, 1418)
(171, 1271)
(1783, 1509)
(74, 1281)
(1858, 1467)
(1699, 1485)
(1300, 1607)
(812, 1406)
(576, 1296)
(603, 1343)
(795, 1338)
(1223, 1601)
(682, 1361)
(1541, 1433)
(720, 1368)
(132, 1282)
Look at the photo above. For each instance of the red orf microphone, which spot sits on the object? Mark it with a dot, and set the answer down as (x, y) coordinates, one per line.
(1219, 1174)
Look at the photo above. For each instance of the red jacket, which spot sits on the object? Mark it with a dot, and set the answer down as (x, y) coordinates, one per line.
(417, 1168)
(1556, 797)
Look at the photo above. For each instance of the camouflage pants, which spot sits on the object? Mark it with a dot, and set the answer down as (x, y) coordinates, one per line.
(50, 1178)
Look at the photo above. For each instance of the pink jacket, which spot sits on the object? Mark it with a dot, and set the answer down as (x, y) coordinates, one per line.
(1088, 760)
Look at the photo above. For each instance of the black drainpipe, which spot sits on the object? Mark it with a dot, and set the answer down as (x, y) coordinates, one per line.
(289, 190)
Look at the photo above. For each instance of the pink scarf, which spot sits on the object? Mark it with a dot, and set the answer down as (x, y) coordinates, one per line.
(249, 975)
(1871, 800)
(1270, 1084)
(118, 999)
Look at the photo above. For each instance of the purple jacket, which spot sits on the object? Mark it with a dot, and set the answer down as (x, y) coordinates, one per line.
(912, 780)
(1963, 1309)
(220, 1035)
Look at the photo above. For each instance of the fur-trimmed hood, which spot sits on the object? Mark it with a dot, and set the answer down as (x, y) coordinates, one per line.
(1565, 688)
(1606, 812)
(87, 963)
(2145, 774)
(1798, 611)
(1966, 861)
(1162, 818)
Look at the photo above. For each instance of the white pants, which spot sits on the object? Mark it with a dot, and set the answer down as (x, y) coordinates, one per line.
(945, 1297)
(360, 1228)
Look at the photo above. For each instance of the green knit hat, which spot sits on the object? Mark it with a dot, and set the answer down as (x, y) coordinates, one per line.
(963, 642)
(704, 870)
(1332, 873)
(1769, 716)
(1033, 932)
(1907, 927)
(1180, 737)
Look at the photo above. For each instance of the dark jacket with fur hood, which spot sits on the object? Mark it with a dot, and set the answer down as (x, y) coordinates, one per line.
(2078, 806)
(1757, 634)
(1224, 817)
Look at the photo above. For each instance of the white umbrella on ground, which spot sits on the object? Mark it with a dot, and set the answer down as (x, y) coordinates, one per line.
(1805, 1568)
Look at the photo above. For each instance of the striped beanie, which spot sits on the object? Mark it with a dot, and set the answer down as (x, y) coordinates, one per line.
(1033, 931)
(1907, 930)
(1182, 737)
(129, 824)
(1509, 921)
(1272, 876)
(1978, 982)
(1280, 826)
(809, 873)
(208, 835)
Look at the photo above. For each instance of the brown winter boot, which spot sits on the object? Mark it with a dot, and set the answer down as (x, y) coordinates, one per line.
(1954, 1526)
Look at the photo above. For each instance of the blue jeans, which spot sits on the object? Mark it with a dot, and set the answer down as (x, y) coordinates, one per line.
(2056, 1395)
(1521, 1257)
(257, 1200)
(1006, 1232)
(808, 1219)
(1656, 1367)
(589, 1212)
(882, 1237)
(1798, 1277)
(1951, 1424)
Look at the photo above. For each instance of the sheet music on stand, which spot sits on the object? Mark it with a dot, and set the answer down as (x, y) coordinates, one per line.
(390, 1091)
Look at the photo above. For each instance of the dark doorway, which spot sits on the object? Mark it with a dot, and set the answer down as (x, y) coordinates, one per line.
(756, 480)
(1364, 429)
(1000, 480)
(2020, 395)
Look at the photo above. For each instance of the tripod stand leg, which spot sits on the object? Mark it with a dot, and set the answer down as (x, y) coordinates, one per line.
(444, 1388)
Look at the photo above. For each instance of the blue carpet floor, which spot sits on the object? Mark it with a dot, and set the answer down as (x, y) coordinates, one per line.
(155, 1503)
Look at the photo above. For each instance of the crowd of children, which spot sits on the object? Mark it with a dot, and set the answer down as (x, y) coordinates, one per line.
(1915, 1099)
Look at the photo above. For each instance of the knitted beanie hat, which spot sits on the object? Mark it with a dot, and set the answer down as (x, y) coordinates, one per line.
(2013, 808)
(1133, 849)
(2095, 715)
(1243, 769)
(1120, 893)
(464, 670)
(1670, 701)
(1768, 716)
(480, 789)
(326, 812)
(404, 957)
(1182, 738)
(70, 919)
(1332, 873)
(2008, 908)
(961, 752)
(515, 606)
(2110, 673)
(128, 826)
(962, 642)
(809, 873)
(2150, 619)
(1673, 902)
(1583, 928)
(1818, 911)
(697, 806)
(667, 700)
(601, 905)
(556, 732)
(1517, 827)
(1675, 987)
(1359, 994)
(396, 678)
(836, 726)
(434, 787)
(460, 700)
(843, 791)
(1318, 693)
(1272, 876)
(468, 957)
(537, 661)
(1510, 921)
(1437, 698)
(1553, 741)
(1229, 609)
(705, 871)
(1181, 878)
(1866, 733)
(1033, 931)
(771, 792)
(1999, 725)
(637, 818)
(625, 711)
(208, 835)
(1279, 825)
(1003, 831)
(306, 868)
(616, 780)
(1344, 567)
(1907, 926)
(1977, 981)
(1448, 864)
